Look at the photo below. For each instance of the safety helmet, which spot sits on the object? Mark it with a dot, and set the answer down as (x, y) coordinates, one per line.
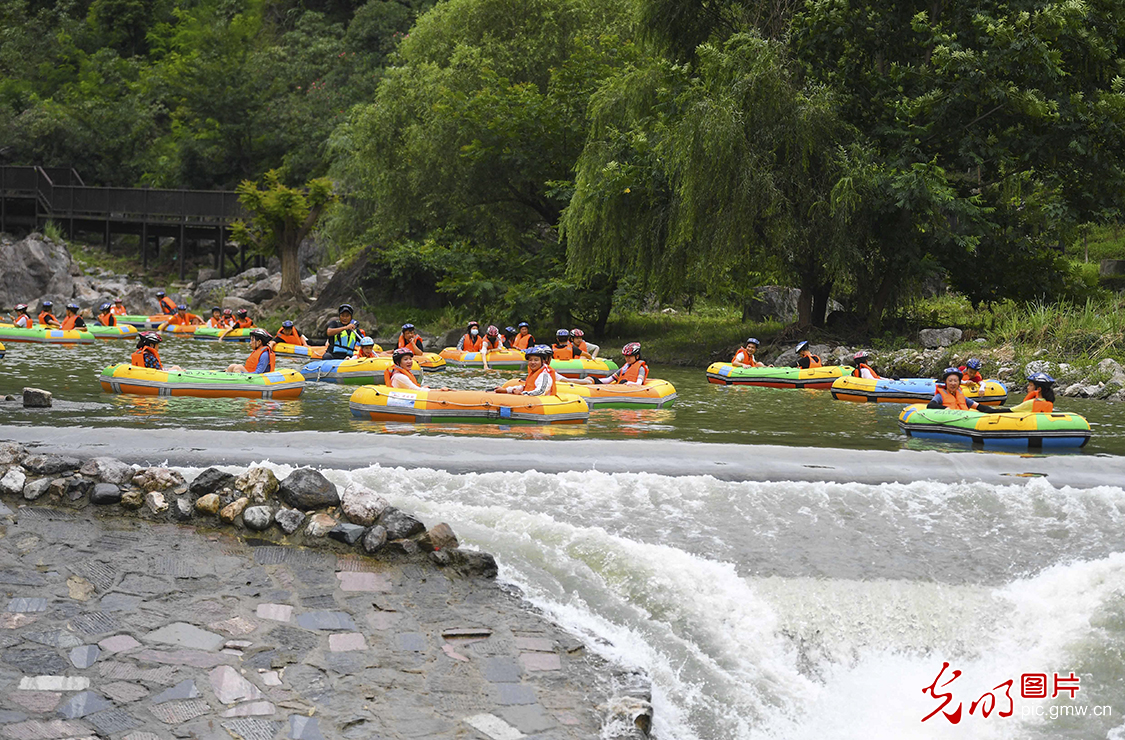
(227, 312)
(754, 341)
(802, 346)
(630, 349)
(561, 333)
(492, 331)
(345, 307)
(952, 371)
(21, 307)
(216, 308)
(242, 312)
(577, 333)
(286, 324)
(861, 355)
(1041, 379)
(523, 324)
(408, 327)
(260, 334)
(472, 324)
(509, 330)
(160, 294)
(401, 352)
(181, 307)
(106, 306)
(118, 300)
(148, 337)
(72, 307)
(540, 350)
(973, 364)
(46, 304)
(366, 342)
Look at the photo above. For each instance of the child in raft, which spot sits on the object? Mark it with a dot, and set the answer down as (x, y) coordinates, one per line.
(744, 357)
(950, 396)
(399, 374)
(634, 372)
(261, 359)
(146, 355)
(806, 360)
(1040, 398)
(542, 380)
(365, 349)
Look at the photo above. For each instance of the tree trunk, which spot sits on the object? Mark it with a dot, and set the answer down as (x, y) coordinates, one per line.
(820, 295)
(804, 307)
(290, 272)
(604, 308)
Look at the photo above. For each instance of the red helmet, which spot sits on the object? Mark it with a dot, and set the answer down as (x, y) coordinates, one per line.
(577, 333)
(401, 352)
(21, 306)
(632, 348)
(492, 331)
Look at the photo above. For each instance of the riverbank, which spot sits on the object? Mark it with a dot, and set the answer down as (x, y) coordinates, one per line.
(338, 593)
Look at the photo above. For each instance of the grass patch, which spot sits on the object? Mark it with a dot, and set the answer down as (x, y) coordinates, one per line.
(708, 334)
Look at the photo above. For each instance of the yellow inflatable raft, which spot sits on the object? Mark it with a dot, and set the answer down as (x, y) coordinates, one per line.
(498, 359)
(142, 381)
(41, 335)
(351, 372)
(911, 390)
(653, 394)
(380, 403)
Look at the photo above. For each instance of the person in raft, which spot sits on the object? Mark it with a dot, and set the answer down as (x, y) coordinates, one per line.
(166, 305)
(744, 357)
(72, 320)
(146, 355)
(365, 349)
(806, 359)
(971, 373)
(472, 341)
(183, 318)
(563, 348)
(408, 339)
(343, 335)
(523, 338)
(105, 315)
(510, 337)
(399, 375)
(492, 339)
(242, 319)
(950, 396)
(1040, 398)
(541, 377)
(22, 321)
(261, 359)
(582, 348)
(633, 372)
(288, 334)
(46, 318)
(862, 369)
(216, 319)
(118, 307)
(228, 318)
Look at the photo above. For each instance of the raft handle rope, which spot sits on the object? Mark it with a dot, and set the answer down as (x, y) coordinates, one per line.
(486, 404)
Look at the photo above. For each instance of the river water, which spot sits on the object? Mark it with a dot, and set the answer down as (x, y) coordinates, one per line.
(772, 610)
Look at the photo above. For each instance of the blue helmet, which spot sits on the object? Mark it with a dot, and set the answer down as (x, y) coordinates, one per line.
(1041, 379)
(72, 307)
(523, 324)
(562, 333)
(952, 371)
(47, 304)
(287, 324)
(408, 327)
(509, 330)
(367, 342)
(802, 346)
(973, 364)
(540, 350)
(753, 341)
(181, 307)
(106, 306)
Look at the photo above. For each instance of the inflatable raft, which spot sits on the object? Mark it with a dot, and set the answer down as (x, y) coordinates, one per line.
(653, 394)
(144, 323)
(380, 403)
(121, 331)
(212, 334)
(350, 372)
(431, 362)
(498, 359)
(724, 373)
(584, 368)
(297, 350)
(10, 333)
(2, 350)
(140, 381)
(911, 390)
(1022, 430)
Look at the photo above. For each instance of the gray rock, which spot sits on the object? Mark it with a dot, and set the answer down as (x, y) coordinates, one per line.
(13, 482)
(209, 481)
(400, 525)
(234, 303)
(259, 484)
(83, 703)
(157, 479)
(36, 398)
(473, 562)
(346, 533)
(50, 464)
(77, 487)
(290, 520)
(326, 620)
(183, 690)
(304, 728)
(375, 538)
(211, 292)
(323, 275)
(105, 493)
(780, 302)
(11, 453)
(362, 505)
(35, 266)
(306, 489)
(83, 656)
(320, 524)
(253, 275)
(262, 290)
(111, 470)
(258, 518)
(933, 338)
(156, 502)
(440, 537)
(183, 509)
(186, 635)
(36, 488)
(205, 274)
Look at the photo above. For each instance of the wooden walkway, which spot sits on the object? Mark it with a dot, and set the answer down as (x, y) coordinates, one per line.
(31, 196)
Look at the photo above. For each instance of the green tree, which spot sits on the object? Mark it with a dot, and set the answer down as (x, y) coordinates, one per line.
(280, 219)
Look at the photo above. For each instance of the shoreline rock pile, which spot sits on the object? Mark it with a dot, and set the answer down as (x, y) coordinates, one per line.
(304, 508)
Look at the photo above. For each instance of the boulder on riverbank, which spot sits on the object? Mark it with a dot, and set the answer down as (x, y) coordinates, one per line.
(33, 267)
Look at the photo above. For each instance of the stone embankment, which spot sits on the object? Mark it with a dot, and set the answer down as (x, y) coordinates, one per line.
(416, 633)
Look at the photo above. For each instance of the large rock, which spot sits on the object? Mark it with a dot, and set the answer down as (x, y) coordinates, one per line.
(399, 524)
(788, 358)
(108, 469)
(440, 537)
(263, 290)
(259, 484)
(780, 303)
(320, 524)
(375, 538)
(36, 488)
(36, 398)
(209, 481)
(210, 293)
(157, 479)
(234, 303)
(253, 275)
(306, 489)
(362, 505)
(35, 266)
(257, 518)
(231, 511)
(208, 503)
(933, 338)
(205, 274)
(50, 464)
(323, 276)
(289, 520)
(11, 453)
(13, 481)
(105, 494)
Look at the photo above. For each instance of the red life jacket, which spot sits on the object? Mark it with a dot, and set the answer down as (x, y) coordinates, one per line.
(389, 375)
(167, 305)
(529, 384)
(631, 373)
(138, 357)
(857, 374)
(1039, 405)
(953, 400)
(290, 338)
(972, 376)
(178, 320)
(565, 352)
(68, 322)
(107, 319)
(252, 360)
(23, 321)
(491, 345)
(523, 341)
(473, 345)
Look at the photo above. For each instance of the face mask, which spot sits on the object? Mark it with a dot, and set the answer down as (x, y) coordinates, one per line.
(474, 332)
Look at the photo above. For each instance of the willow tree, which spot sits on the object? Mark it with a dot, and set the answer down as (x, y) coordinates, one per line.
(714, 172)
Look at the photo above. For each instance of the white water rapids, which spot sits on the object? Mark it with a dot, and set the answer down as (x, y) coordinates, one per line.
(801, 611)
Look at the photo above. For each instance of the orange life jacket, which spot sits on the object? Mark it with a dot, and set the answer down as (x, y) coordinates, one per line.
(566, 352)
(252, 360)
(139, 356)
(167, 305)
(178, 320)
(68, 322)
(1039, 405)
(814, 361)
(118, 310)
(631, 373)
(216, 323)
(473, 345)
(364, 352)
(243, 323)
(491, 345)
(523, 341)
(953, 400)
(291, 336)
(973, 376)
(46, 318)
(529, 384)
(389, 375)
(107, 319)
(23, 321)
(857, 374)
(415, 343)
(746, 356)
(579, 346)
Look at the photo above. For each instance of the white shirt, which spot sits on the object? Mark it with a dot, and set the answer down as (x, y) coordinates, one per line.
(865, 373)
(542, 384)
(402, 380)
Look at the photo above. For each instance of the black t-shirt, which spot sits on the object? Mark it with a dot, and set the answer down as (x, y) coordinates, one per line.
(79, 323)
